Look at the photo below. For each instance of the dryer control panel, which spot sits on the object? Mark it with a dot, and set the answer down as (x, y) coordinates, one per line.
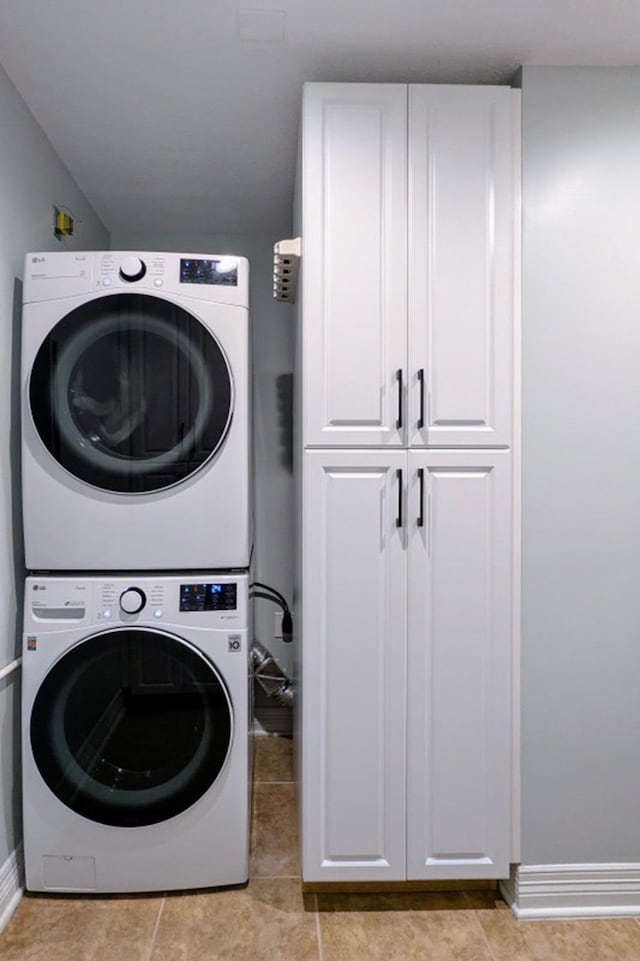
(216, 278)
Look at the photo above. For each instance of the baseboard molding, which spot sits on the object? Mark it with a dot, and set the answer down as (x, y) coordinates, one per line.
(11, 885)
(573, 890)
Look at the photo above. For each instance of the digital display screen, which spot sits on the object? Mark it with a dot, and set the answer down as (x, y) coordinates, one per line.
(221, 272)
(208, 597)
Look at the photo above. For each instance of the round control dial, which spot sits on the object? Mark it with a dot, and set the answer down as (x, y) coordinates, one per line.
(132, 268)
(132, 600)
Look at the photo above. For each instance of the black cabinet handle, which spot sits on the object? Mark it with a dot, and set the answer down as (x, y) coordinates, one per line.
(399, 517)
(399, 420)
(421, 482)
(421, 382)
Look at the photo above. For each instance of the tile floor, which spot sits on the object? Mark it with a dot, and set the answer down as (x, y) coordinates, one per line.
(270, 919)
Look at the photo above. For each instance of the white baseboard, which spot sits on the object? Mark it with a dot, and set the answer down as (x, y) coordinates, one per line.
(11, 885)
(573, 890)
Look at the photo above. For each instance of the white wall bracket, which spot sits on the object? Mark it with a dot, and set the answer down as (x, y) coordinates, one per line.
(286, 260)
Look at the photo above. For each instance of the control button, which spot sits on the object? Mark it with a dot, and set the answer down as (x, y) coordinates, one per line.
(106, 281)
(132, 268)
(132, 600)
(157, 613)
(106, 615)
(158, 282)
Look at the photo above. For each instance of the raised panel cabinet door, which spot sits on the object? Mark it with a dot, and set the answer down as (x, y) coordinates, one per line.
(354, 221)
(459, 665)
(461, 265)
(354, 666)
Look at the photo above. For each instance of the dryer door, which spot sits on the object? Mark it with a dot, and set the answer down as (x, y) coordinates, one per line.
(131, 727)
(131, 393)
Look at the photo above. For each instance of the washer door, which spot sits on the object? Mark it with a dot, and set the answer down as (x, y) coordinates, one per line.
(131, 393)
(131, 727)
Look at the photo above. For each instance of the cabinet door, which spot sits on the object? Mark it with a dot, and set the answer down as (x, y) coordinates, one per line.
(354, 314)
(461, 223)
(459, 667)
(354, 666)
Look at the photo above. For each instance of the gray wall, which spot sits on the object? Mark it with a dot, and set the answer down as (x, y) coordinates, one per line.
(32, 180)
(272, 342)
(581, 465)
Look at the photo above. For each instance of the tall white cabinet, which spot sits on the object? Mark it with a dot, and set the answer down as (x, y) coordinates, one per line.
(405, 205)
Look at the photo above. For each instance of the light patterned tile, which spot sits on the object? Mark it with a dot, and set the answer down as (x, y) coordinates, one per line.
(80, 929)
(265, 921)
(273, 758)
(399, 927)
(274, 833)
(582, 940)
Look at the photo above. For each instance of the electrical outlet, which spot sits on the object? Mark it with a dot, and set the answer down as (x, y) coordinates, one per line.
(277, 625)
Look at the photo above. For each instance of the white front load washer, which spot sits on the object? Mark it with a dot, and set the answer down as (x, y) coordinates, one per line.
(135, 732)
(135, 411)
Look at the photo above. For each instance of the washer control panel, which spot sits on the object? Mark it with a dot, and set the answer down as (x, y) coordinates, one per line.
(213, 596)
(132, 600)
(120, 600)
(54, 600)
(208, 600)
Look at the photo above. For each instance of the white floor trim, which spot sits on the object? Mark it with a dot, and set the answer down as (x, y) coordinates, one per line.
(573, 890)
(11, 885)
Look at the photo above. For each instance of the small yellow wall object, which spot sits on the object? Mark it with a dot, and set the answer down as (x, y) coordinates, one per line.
(63, 224)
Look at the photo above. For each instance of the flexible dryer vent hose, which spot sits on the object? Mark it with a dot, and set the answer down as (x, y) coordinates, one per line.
(271, 678)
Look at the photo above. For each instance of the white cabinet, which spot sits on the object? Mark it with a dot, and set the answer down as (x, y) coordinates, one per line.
(459, 664)
(404, 432)
(406, 706)
(407, 227)
(354, 666)
(461, 223)
(354, 235)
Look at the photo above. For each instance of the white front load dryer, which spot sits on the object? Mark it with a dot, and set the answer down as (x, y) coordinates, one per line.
(135, 411)
(135, 732)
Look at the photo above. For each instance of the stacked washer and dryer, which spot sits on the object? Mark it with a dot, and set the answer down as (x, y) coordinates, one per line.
(137, 521)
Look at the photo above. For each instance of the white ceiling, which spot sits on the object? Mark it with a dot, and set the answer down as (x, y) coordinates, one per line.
(169, 121)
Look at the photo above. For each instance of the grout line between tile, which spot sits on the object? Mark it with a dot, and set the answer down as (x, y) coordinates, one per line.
(273, 782)
(155, 929)
(318, 929)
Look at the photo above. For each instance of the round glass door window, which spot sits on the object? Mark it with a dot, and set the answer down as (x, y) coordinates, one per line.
(131, 393)
(131, 727)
